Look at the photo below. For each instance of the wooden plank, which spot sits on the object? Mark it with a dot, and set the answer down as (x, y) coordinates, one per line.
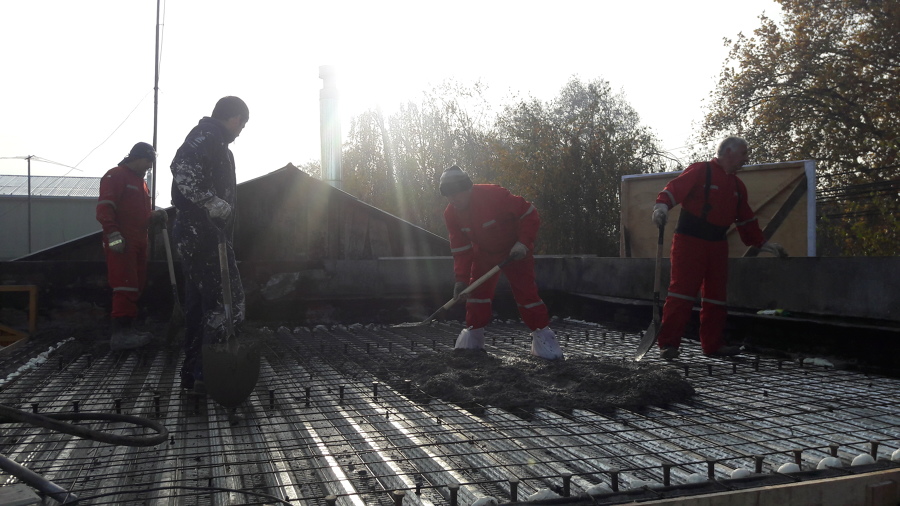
(854, 490)
(781, 215)
(359, 233)
(32, 302)
(379, 239)
(10, 336)
(316, 221)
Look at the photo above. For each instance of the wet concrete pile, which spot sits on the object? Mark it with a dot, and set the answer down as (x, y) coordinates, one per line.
(475, 379)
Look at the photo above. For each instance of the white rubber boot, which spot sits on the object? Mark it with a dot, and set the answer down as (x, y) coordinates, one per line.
(470, 339)
(545, 345)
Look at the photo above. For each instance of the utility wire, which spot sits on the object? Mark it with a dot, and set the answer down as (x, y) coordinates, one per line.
(113, 132)
(39, 159)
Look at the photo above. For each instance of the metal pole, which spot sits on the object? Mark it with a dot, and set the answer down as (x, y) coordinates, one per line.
(29, 202)
(330, 127)
(155, 108)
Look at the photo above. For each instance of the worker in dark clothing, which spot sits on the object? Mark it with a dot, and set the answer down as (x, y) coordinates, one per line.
(486, 224)
(203, 191)
(123, 211)
(712, 197)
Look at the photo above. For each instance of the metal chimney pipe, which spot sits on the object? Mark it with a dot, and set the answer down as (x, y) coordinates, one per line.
(330, 127)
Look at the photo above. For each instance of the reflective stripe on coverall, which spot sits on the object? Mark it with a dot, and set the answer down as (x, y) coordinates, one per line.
(481, 237)
(701, 264)
(124, 207)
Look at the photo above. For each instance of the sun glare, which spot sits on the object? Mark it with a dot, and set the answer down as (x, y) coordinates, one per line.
(365, 87)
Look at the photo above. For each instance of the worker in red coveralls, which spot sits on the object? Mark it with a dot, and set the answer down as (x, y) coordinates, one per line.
(487, 224)
(123, 211)
(712, 197)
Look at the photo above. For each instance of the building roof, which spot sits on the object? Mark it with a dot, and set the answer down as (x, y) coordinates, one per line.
(50, 186)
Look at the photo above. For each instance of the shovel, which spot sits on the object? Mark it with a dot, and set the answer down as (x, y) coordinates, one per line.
(176, 322)
(650, 336)
(230, 367)
(475, 284)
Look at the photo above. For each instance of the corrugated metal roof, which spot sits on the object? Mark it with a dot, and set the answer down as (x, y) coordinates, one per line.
(50, 186)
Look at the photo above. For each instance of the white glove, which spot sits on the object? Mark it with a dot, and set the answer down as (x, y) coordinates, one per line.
(774, 249)
(217, 208)
(660, 215)
(116, 242)
(458, 287)
(518, 251)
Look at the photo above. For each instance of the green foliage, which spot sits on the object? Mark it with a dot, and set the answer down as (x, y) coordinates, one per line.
(567, 156)
(396, 164)
(823, 85)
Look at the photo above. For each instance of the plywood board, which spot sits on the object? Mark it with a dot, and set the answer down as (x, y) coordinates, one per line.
(781, 194)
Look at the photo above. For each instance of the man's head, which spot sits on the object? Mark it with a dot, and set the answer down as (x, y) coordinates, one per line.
(233, 112)
(140, 158)
(732, 154)
(456, 186)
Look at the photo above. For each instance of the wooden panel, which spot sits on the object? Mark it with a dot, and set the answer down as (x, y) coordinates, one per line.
(358, 233)
(781, 191)
(317, 222)
(379, 239)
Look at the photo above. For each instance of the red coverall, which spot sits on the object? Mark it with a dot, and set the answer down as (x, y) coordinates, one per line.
(700, 261)
(124, 206)
(480, 238)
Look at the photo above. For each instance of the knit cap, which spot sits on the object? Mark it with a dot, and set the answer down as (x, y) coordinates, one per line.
(140, 150)
(454, 180)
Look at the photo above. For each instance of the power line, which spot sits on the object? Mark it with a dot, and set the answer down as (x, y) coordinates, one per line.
(40, 159)
(112, 133)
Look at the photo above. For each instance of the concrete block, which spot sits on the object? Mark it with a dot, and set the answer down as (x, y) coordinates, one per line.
(18, 495)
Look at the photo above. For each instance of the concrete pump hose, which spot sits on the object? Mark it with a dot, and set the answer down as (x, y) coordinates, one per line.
(51, 421)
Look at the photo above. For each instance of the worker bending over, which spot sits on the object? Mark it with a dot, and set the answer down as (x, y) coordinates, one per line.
(486, 224)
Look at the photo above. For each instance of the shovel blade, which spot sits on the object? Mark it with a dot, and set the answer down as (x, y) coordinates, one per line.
(647, 341)
(230, 371)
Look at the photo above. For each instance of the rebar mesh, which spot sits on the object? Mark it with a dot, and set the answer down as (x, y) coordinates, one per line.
(322, 428)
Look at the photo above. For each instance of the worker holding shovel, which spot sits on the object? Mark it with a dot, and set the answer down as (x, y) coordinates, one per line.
(123, 211)
(712, 197)
(488, 225)
(203, 191)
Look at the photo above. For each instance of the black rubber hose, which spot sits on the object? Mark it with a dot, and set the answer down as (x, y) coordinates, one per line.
(37, 481)
(51, 421)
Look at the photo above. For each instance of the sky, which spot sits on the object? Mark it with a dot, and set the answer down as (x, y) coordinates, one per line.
(77, 82)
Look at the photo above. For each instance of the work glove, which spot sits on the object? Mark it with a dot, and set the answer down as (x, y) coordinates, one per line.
(518, 251)
(158, 218)
(774, 249)
(660, 215)
(116, 242)
(458, 288)
(218, 209)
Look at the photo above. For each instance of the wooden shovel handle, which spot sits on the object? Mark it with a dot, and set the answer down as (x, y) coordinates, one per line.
(657, 275)
(478, 282)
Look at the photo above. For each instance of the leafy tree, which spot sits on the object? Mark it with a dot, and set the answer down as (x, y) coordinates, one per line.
(568, 156)
(824, 85)
(395, 163)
